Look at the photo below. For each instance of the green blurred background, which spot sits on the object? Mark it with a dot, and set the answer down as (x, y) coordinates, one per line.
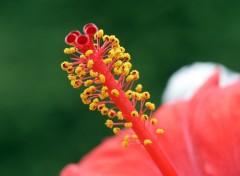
(43, 123)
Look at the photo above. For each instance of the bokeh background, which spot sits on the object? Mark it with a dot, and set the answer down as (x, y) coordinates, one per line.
(43, 123)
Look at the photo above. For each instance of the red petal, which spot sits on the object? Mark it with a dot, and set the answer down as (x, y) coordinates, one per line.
(202, 137)
(215, 130)
(111, 159)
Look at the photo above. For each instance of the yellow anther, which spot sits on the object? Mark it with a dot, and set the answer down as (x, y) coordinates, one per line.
(88, 92)
(115, 92)
(72, 77)
(127, 64)
(130, 78)
(66, 51)
(92, 106)
(109, 123)
(107, 61)
(103, 95)
(76, 83)
(135, 73)
(100, 33)
(134, 136)
(138, 96)
(150, 105)
(147, 142)
(82, 74)
(126, 138)
(117, 71)
(159, 131)
(101, 78)
(78, 70)
(104, 89)
(92, 89)
(111, 53)
(129, 94)
(116, 41)
(134, 114)
(65, 65)
(88, 83)
(126, 71)
(86, 101)
(70, 69)
(111, 114)
(144, 117)
(70, 50)
(83, 96)
(122, 49)
(146, 95)
(90, 63)
(101, 106)
(153, 121)
(112, 37)
(133, 94)
(116, 45)
(105, 38)
(127, 56)
(124, 144)
(96, 101)
(118, 63)
(93, 74)
(125, 141)
(82, 56)
(128, 124)
(116, 130)
(119, 115)
(138, 88)
(117, 52)
(104, 111)
(88, 52)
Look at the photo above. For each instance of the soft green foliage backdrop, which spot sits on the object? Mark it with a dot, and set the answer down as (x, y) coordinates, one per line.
(43, 123)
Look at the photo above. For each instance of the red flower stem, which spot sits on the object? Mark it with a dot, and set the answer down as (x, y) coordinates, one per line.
(139, 127)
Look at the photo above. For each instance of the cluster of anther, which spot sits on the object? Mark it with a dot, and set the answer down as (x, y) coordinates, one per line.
(103, 67)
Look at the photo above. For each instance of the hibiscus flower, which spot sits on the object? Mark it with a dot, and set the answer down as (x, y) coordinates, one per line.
(202, 132)
(202, 137)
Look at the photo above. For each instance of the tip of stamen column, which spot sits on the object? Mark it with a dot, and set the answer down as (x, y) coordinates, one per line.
(77, 33)
(81, 40)
(70, 38)
(90, 29)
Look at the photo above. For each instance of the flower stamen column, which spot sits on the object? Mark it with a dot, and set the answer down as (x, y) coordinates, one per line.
(105, 71)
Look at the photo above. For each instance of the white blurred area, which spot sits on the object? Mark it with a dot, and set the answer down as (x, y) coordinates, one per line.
(188, 79)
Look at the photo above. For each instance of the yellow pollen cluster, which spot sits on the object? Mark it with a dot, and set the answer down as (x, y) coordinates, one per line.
(159, 131)
(128, 124)
(147, 142)
(99, 34)
(109, 123)
(150, 105)
(88, 53)
(153, 121)
(70, 50)
(116, 130)
(144, 117)
(119, 115)
(111, 114)
(90, 64)
(115, 92)
(134, 114)
(125, 141)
